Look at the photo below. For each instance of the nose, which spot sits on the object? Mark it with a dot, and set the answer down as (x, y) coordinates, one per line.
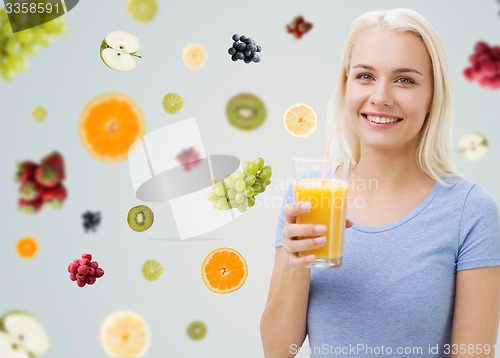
(381, 95)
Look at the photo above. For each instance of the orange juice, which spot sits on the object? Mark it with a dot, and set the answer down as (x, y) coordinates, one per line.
(328, 198)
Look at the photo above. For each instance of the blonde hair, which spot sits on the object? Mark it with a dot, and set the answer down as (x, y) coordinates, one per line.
(434, 152)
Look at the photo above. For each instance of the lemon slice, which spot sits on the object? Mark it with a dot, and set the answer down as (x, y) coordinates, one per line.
(172, 103)
(125, 334)
(152, 270)
(142, 10)
(300, 120)
(194, 56)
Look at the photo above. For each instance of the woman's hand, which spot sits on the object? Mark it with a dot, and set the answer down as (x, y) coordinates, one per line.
(292, 231)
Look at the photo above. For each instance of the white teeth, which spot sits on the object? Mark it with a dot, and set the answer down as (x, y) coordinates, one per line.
(380, 120)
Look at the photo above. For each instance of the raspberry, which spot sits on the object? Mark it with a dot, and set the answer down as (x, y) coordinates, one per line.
(485, 66)
(84, 262)
(99, 272)
(90, 280)
(481, 46)
(81, 276)
(83, 270)
(74, 268)
(189, 158)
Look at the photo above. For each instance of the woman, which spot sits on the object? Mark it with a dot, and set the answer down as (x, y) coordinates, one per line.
(421, 270)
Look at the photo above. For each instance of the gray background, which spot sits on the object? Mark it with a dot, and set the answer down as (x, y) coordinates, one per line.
(66, 76)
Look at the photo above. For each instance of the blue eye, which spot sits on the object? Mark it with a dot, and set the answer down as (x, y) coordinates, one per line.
(405, 80)
(364, 76)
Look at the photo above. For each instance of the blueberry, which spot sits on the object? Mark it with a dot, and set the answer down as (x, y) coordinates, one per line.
(243, 38)
(252, 47)
(248, 41)
(235, 45)
(259, 48)
(248, 53)
(236, 37)
(242, 47)
(247, 60)
(231, 51)
(253, 57)
(234, 58)
(240, 55)
(257, 59)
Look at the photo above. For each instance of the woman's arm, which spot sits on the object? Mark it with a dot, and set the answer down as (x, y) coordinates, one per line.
(476, 314)
(283, 323)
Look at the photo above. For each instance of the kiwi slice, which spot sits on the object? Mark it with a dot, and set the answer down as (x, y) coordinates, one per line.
(246, 111)
(197, 330)
(140, 218)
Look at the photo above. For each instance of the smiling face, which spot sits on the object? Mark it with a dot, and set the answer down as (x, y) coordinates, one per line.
(389, 89)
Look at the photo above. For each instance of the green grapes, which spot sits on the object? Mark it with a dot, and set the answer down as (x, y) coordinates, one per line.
(15, 48)
(238, 190)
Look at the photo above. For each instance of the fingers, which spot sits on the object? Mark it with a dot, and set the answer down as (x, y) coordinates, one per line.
(291, 211)
(303, 230)
(296, 261)
(299, 245)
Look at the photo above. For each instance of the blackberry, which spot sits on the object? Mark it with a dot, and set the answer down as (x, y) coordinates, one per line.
(244, 48)
(91, 220)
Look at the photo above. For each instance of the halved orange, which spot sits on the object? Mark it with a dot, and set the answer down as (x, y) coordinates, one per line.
(224, 270)
(109, 125)
(300, 120)
(27, 247)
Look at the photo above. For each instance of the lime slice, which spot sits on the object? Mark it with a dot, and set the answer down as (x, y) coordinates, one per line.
(142, 10)
(173, 103)
(197, 330)
(39, 114)
(152, 270)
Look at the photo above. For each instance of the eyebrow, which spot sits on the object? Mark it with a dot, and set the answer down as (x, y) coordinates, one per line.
(398, 70)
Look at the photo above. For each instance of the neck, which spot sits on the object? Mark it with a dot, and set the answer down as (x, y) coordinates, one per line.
(388, 170)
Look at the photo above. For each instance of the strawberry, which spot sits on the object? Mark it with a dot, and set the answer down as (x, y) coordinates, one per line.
(297, 33)
(47, 175)
(29, 207)
(25, 171)
(55, 196)
(298, 20)
(55, 160)
(30, 190)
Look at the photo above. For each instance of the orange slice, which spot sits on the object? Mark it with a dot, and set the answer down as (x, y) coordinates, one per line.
(300, 120)
(125, 334)
(27, 247)
(224, 270)
(194, 56)
(109, 124)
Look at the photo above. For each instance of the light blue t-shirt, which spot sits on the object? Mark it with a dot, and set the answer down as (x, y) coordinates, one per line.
(395, 291)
